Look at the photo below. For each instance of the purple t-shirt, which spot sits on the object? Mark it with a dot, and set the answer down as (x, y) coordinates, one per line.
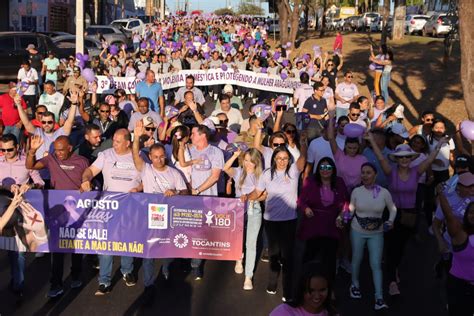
(462, 267)
(248, 185)
(120, 174)
(287, 310)
(65, 174)
(155, 181)
(211, 158)
(267, 154)
(349, 168)
(404, 192)
(282, 191)
(47, 147)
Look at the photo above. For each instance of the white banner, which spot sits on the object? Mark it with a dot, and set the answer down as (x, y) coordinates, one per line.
(242, 78)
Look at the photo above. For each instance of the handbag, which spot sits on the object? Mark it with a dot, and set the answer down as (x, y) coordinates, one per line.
(369, 223)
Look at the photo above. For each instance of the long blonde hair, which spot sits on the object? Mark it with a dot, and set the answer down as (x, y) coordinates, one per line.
(256, 159)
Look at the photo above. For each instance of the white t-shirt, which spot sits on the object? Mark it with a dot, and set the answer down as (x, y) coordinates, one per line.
(155, 181)
(319, 148)
(346, 91)
(29, 77)
(53, 102)
(303, 93)
(443, 154)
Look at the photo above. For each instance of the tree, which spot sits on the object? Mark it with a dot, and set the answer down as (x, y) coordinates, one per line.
(250, 9)
(224, 11)
(399, 19)
(289, 15)
(386, 12)
(466, 24)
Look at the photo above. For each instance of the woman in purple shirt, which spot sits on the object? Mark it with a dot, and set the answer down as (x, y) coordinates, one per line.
(460, 285)
(403, 184)
(321, 200)
(280, 182)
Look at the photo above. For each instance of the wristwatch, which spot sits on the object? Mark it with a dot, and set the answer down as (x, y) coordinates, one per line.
(197, 191)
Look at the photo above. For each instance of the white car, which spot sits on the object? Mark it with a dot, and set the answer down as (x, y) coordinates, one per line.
(438, 24)
(129, 25)
(414, 23)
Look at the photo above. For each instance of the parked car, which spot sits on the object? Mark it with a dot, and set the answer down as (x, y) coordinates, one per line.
(54, 34)
(358, 23)
(438, 24)
(368, 18)
(273, 26)
(348, 24)
(68, 43)
(414, 23)
(332, 23)
(13, 51)
(111, 34)
(127, 26)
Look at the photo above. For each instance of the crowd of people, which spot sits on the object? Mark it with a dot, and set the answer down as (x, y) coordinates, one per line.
(350, 176)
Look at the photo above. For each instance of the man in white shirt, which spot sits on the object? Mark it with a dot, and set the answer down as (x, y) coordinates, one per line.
(52, 99)
(198, 96)
(29, 76)
(346, 93)
(233, 115)
(303, 92)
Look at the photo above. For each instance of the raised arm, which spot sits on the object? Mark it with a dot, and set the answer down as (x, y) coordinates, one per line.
(341, 58)
(455, 228)
(74, 99)
(277, 125)
(387, 169)
(422, 167)
(257, 140)
(228, 165)
(31, 163)
(30, 128)
(332, 133)
(137, 132)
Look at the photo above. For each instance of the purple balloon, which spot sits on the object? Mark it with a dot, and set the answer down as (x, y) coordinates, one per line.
(152, 42)
(197, 38)
(141, 75)
(211, 45)
(203, 41)
(213, 38)
(288, 44)
(143, 45)
(311, 72)
(189, 44)
(85, 57)
(285, 62)
(79, 56)
(82, 64)
(252, 41)
(264, 70)
(467, 129)
(353, 130)
(263, 53)
(260, 42)
(372, 66)
(246, 45)
(206, 55)
(113, 49)
(276, 56)
(88, 74)
(283, 75)
(224, 67)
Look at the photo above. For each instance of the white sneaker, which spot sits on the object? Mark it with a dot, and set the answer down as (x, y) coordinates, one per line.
(380, 304)
(248, 285)
(39, 255)
(239, 268)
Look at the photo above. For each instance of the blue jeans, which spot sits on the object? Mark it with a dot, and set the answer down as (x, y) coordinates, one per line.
(105, 272)
(375, 246)
(17, 269)
(384, 85)
(341, 112)
(254, 222)
(12, 130)
(148, 271)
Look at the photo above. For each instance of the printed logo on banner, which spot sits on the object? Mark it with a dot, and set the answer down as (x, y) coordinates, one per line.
(157, 216)
(181, 241)
(219, 220)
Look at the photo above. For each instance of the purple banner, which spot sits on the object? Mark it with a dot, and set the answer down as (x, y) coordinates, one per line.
(130, 224)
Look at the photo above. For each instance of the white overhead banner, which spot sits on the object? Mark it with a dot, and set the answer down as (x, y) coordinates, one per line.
(242, 78)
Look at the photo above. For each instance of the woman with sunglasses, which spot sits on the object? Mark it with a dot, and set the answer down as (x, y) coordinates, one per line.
(321, 199)
(280, 183)
(245, 177)
(293, 138)
(424, 129)
(346, 92)
(277, 139)
(379, 108)
(367, 205)
(349, 160)
(403, 183)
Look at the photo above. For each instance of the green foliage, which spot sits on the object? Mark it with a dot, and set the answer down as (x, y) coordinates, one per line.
(224, 11)
(250, 9)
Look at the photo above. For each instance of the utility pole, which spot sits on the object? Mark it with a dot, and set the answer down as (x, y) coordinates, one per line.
(79, 26)
(162, 10)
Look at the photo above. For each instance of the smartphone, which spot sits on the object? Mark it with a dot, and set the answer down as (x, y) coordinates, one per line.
(280, 108)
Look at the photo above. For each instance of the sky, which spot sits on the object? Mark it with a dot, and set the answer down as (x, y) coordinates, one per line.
(205, 5)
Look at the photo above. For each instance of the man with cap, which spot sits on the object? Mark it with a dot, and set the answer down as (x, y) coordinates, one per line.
(235, 101)
(36, 62)
(75, 81)
(458, 199)
(144, 111)
(153, 92)
(28, 77)
(51, 68)
(234, 116)
(9, 112)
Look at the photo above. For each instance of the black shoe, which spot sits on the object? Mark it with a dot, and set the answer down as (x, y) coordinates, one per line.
(265, 257)
(148, 295)
(129, 279)
(102, 290)
(197, 274)
(272, 289)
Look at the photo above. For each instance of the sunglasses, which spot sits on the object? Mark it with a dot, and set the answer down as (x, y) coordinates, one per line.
(148, 129)
(223, 122)
(330, 64)
(7, 149)
(325, 167)
(349, 77)
(40, 113)
(290, 131)
(104, 111)
(47, 122)
(403, 157)
(355, 114)
(278, 144)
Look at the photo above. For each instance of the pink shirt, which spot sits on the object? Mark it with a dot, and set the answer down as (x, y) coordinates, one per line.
(16, 172)
(348, 168)
(287, 310)
(120, 174)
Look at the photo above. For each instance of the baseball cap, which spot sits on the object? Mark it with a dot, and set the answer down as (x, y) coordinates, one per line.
(30, 46)
(228, 89)
(148, 120)
(466, 179)
(400, 130)
(399, 112)
(463, 161)
(76, 69)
